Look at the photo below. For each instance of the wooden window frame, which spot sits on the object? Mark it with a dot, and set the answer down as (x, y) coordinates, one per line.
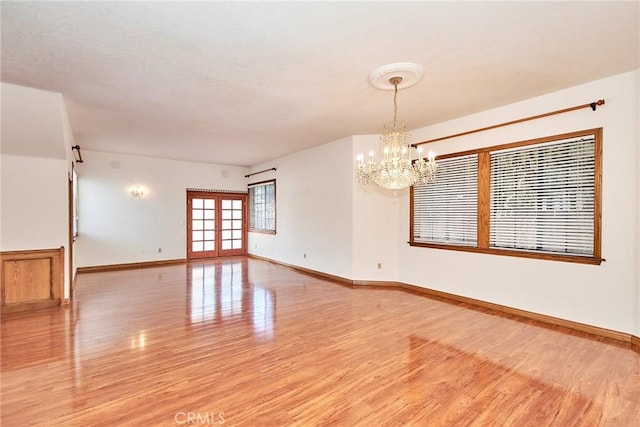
(250, 210)
(484, 198)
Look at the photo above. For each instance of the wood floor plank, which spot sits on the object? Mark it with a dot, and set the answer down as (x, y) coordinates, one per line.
(241, 342)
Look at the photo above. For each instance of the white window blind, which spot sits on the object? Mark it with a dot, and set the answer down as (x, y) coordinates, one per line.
(542, 197)
(445, 211)
(262, 206)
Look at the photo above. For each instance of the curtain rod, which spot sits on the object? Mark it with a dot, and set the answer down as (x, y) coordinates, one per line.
(592, 105)
(77, 148)
(256, 173)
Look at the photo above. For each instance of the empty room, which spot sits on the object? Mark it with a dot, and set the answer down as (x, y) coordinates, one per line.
(320, 213)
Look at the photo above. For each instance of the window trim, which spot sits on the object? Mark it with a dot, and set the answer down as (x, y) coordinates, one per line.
(484, 200)
(250, 210)
(75, 203)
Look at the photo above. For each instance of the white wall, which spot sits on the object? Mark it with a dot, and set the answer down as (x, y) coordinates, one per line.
(605, 295)
(313, 209)
(32, 122)
(324, 213)
(116, 228)
(36, 141)
(69, 142)
(376, 223)
(34, 203)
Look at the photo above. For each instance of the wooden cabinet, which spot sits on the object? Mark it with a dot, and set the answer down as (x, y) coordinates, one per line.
(32, 279)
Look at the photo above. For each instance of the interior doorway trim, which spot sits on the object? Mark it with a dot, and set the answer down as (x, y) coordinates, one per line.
(207, 190)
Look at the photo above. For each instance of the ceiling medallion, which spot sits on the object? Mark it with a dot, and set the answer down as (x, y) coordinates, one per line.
(410, 73)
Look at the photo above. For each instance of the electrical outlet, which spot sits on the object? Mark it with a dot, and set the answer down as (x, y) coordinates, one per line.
(159, 250)
(304, 256)
(379, 266)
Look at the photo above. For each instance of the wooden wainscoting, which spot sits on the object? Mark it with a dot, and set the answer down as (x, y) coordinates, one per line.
(31, 279)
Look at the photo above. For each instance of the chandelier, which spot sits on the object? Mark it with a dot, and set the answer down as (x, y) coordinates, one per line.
(396, 169)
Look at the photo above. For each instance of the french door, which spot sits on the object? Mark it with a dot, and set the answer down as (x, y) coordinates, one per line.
(216, 224)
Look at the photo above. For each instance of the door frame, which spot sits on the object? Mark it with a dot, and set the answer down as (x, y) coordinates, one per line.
(218, 195)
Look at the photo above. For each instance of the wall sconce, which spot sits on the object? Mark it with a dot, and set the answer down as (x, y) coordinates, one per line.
(137, 192)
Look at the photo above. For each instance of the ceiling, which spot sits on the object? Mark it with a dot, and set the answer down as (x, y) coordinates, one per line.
(240, 83)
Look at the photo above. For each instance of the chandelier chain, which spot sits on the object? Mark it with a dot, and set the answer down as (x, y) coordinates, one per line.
(395, 104)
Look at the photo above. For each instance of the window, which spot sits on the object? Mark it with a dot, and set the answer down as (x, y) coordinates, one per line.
(538, 198)
(542, 197)
(262, 207)
(75, 201)
(446, 210)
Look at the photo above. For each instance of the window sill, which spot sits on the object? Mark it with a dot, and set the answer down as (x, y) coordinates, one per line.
(514, 253)
(262, 231)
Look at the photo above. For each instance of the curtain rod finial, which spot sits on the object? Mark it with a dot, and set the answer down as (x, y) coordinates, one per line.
(594, 105)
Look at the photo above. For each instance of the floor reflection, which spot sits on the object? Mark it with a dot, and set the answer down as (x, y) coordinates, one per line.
(263, 312)
(219, 291)
(53, 343)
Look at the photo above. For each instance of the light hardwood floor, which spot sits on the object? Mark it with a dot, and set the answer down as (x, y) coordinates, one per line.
(240, 342)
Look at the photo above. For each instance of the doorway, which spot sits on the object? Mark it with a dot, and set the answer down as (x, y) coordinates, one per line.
(216, 224)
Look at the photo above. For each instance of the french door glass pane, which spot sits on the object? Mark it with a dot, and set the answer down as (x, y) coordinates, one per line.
(203, 217)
